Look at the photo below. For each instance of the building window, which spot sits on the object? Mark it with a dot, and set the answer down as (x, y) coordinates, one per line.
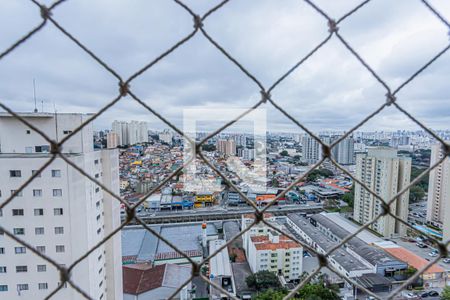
(3, 288)
(39, 230)
(43, 286)
(2, 250)
(20, 250)
(59, 230)
(17, 212)
(19, 231)
(57, 193)
(41, 268)
(28, 131)
(40, 249)
(96, 161)
(15, 173)
(43, 148)
(37, 193)
(38, 211)
(58, 211)
(34, 172)
(19, 194)
(97, 190)
(21, 269)
(56, 173)
(2, 269)
(22, 287)
(67, 131)
(60, 249)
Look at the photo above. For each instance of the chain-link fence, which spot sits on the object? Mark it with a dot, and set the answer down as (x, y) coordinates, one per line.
(125, 90)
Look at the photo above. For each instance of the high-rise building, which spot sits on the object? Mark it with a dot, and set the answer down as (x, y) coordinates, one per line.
(227, 147)
(246, 154)
(121, 128)
(166, 136)
(438, 206)
(131, 133)
(61, 213)
(112, 140)
(344, 151)
(310, 149)
(386, 174)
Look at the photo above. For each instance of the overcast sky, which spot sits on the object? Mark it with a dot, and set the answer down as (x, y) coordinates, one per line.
(331, 91)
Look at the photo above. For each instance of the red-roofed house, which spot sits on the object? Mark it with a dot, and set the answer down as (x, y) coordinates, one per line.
(434, 276)
(144, 282)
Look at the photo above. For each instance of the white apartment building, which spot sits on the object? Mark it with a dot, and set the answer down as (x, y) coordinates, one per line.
(267, 250)
(131, 133)
(344, 151)
(246, 154)
(386, 174)
(166, 136)
(61, 213)
(438, 188)
(310, 149)
(275, 253)
(121, 128)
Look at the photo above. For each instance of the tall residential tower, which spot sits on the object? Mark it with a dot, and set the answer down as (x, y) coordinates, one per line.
(61, 213)
(438, 207)
(386, 174)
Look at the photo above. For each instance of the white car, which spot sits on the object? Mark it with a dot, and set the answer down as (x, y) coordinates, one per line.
(433, 254)
(446, 260)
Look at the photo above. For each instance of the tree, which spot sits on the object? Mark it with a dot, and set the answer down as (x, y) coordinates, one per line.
(271, 295)
(262, 280)
(349, 197)
(446, 293)
(416, 193)
(315, 174)
(284, 153)
(317, 291)
(208, 147)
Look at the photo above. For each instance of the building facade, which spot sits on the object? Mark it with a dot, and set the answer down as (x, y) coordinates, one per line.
(112, 140)
(227, 147)
(131, 133)
(310, 150)
(344, 151)
(61, 212)
(438, 189)
(386, 174)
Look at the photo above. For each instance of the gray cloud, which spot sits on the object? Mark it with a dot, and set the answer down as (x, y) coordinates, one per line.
(332, 90)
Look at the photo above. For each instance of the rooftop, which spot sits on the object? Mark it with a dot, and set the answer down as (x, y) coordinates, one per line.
(262, 242)
(342, 257)
(141, 278)
(413, 259)
(374, 255)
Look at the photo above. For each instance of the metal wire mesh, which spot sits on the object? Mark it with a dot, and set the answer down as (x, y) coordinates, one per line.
(125, 89)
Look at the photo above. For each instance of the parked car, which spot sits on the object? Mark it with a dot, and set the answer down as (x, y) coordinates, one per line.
(424, 295)
(433, 254)
(446, 260)
(421, 245)
(433, 294)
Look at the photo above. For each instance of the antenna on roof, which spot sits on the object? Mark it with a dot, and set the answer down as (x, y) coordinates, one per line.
(34, 96)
